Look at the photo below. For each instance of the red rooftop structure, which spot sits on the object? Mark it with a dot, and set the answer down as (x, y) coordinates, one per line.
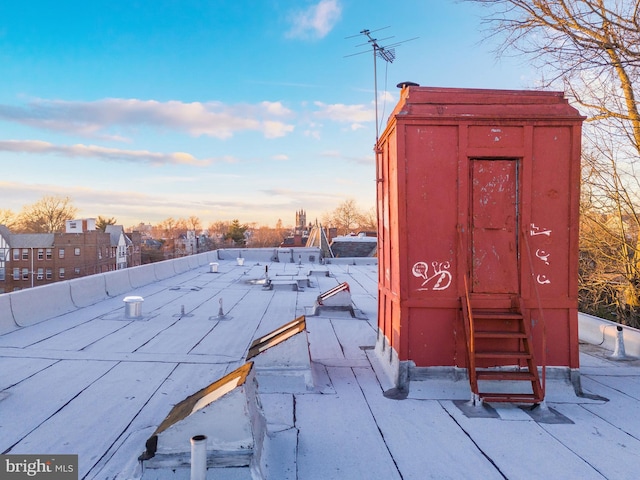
(478, 197)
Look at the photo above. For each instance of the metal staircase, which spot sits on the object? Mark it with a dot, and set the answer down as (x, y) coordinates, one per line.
(501, 361)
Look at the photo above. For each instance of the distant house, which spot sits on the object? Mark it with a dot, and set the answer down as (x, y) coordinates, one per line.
(360, 245)
(33, 259)
(186, 244)
(120, 246)
(295, 240)
(364, 244)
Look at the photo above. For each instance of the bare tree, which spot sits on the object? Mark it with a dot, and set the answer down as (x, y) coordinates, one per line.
(264, 236)
(47, 215)
(369, 220)
(591, 48)
(346, 217)
(218, 231)
(609, 273)
(166, 230)
(7, 218)
(193, 223)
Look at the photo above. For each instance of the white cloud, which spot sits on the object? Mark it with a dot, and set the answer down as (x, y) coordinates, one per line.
(102, 153)
(386, 96)
(339, 112)
(98, 118)
(316, 21)
(276, 129)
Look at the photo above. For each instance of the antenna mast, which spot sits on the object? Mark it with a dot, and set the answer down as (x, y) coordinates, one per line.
(387, 53)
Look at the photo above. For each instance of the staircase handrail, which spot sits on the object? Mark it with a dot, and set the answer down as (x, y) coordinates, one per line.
(467, 320)
(540, 312)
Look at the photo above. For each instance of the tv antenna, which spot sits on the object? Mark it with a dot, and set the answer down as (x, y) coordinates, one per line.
(386, 53)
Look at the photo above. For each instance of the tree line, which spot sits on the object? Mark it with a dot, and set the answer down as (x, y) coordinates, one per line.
(50, 213)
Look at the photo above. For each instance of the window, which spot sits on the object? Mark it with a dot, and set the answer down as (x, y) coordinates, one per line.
(16, 254)
(61, 273)
(49, 255)
(61, 253)
(16, 274)
(76, 251)
(4, 254)
(99, 254)
(41, 254)
(49, 274)
(77, 270)
(40, 273)
(25, 254)
(1, 275)
(25, 274)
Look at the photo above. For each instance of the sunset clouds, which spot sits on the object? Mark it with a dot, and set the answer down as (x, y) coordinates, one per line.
(101, 117)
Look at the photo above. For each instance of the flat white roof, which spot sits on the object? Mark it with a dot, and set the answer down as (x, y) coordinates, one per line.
(95, 383)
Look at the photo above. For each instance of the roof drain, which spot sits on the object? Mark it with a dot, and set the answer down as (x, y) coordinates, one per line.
(199, 457)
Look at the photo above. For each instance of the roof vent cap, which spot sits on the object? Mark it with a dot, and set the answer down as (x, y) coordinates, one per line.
(407, 84)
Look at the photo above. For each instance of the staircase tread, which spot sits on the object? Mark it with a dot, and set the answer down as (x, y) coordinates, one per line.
(510, 397)
(497, 317)
(502, 354)
(498, 334)
(505, 375)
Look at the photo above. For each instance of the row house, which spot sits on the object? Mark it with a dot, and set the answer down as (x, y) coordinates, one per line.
(31, 260)
(126, 247)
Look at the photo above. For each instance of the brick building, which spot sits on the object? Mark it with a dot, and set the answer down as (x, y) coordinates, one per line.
(33, 259)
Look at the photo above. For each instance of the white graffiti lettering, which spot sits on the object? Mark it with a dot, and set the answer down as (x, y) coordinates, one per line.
(542, 255)
(440, 279)
(543, 280)
(538, 231)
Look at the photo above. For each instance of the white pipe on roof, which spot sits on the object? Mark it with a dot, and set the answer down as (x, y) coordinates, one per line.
(618, 351)
(604, 333)
(199, 457)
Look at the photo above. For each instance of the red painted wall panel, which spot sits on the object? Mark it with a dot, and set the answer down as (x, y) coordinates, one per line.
(550, 229)
(431, 210)
(426, 326)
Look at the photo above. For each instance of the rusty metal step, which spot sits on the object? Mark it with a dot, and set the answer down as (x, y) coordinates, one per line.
(510, 397)
(489, 375)
(498, 334)
(495, 315)
(503, 355)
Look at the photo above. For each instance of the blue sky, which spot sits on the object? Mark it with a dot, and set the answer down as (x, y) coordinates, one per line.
(250, 110)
